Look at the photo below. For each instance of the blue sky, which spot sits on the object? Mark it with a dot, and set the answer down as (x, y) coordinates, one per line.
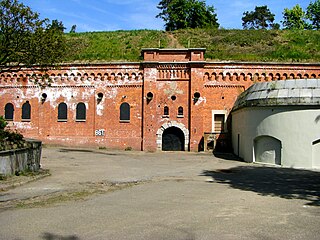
(109, 15)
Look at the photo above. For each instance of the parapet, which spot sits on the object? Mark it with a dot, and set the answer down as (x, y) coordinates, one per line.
(173, 55)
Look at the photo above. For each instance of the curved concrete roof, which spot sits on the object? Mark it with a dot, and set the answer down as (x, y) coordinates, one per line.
(281, 93)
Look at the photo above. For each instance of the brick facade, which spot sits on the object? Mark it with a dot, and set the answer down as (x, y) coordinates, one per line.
(192, 90)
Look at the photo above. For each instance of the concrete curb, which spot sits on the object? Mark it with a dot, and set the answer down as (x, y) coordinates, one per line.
(6, 185)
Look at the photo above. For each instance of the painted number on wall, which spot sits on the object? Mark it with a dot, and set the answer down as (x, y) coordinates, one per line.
(100, 132)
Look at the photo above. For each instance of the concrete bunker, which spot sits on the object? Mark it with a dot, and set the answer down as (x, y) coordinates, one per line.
(267, 150)
(277, 123)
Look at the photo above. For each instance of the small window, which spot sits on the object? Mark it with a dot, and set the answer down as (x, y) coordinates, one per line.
(26, 111)
(180, 111)
(219, 122)
(125, 112)
(166, 111)
(81, 112)
(62, 112)
(8, 112)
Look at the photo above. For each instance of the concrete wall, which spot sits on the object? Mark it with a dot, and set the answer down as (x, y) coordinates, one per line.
(297, 128)
(19, 160)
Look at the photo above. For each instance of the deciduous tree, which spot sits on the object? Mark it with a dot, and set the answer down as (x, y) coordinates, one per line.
(295, 18)
(26, 40)
(313, 14)
(180, 14)
(260, 18)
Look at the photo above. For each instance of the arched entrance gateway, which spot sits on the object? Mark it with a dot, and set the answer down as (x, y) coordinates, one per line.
(173, 136)
(172, 139)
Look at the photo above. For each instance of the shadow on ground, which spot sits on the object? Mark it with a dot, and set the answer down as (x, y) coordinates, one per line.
(86, 151)
(51, 236)
(269, 181)
(227, 156)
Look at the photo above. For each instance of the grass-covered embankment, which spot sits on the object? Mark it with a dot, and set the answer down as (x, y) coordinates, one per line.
(237, 45)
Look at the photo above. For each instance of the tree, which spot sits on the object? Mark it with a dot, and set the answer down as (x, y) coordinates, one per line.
(313, 14)
(26, 40)
(260, 18)
(55, 24)
(181, 14)
(295, 18)
(73, 29)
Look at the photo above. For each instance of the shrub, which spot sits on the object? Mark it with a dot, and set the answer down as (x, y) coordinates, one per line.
(3, 123)
(9, 139)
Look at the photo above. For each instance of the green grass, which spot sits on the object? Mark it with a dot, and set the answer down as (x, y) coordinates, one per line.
(221, 45)
(115, 46)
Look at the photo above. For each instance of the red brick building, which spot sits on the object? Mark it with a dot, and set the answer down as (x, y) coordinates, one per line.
(172, 100)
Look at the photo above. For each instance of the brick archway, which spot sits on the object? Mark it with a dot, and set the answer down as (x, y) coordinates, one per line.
(172, 124)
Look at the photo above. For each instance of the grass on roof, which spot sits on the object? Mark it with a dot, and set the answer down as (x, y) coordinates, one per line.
(221, 45)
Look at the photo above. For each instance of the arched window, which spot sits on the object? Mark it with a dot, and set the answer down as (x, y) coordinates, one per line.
(125, 112)
(81, 112)
(180, 111)
(62, 112)
(26, 111)
(8, 112)
(166, 111)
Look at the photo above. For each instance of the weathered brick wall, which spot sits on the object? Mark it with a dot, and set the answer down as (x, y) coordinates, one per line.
(72, 85)
(173, 77)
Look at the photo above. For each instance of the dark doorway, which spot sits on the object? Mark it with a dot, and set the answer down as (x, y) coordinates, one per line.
(173, 139)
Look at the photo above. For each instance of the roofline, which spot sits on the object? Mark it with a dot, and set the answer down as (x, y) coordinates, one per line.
(265, 63)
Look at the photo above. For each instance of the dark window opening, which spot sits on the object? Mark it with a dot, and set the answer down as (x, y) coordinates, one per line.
(62, 112)
(99, 98)
(149, 95)
(180, 111)
(26, 111)
(196, 97)
(43, 97)
(125, 112)
(81, 112)
(166, 111)
(8, 112)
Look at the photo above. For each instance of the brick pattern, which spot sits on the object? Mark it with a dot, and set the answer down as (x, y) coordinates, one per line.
(166, 78)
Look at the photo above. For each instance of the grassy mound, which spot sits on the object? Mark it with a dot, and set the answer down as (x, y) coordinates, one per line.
(221, 45)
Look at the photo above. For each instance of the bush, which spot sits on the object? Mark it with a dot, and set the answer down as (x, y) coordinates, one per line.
(3, 123)
(9, 139)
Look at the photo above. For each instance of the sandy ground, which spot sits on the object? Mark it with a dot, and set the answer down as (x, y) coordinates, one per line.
(101, 194)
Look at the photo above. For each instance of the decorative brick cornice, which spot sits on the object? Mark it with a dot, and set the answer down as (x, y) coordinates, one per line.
(172, 66)
(223, 86)
(124, 86)
(15, 86)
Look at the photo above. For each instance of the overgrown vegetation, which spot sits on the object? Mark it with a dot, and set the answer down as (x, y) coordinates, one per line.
(116, 45)
(221, 45)
(10, 139)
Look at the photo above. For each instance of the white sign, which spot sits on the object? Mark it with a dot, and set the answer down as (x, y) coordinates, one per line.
(99, 132)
